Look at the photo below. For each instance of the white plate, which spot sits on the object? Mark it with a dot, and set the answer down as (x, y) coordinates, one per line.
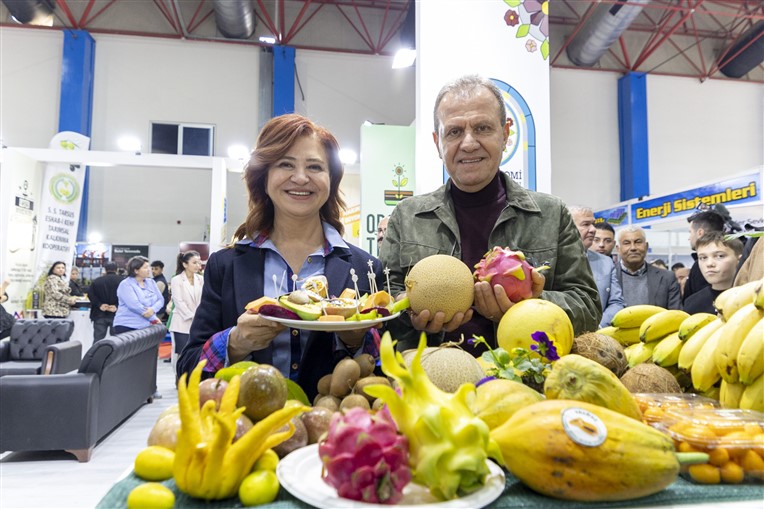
(330, 326)
(300, 474)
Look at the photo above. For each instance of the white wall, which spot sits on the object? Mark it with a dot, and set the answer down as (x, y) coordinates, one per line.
(702, 131)
(585, 156)
(30, 84)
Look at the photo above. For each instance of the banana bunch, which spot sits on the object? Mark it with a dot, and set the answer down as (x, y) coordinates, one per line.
(208, 464)
(626, 323)
(448, 444)
(733, 350)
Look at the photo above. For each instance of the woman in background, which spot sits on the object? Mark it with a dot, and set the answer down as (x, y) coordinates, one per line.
(186, 290)
(58, 300)
(139, 298)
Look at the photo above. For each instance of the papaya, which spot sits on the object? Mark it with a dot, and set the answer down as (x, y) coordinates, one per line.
(573, 450)
(497, 400)
(576, 377)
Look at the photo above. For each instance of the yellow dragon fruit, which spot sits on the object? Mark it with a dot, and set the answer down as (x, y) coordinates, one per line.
(448, 444)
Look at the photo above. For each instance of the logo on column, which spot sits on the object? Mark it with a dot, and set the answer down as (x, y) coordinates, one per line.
(64, 188)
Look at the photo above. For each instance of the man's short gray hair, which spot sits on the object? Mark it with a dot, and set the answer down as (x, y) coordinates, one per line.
(580, 209)
(467, 85)
(631, 229)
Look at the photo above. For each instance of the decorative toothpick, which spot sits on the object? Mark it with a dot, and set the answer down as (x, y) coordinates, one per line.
(275, 285)
(372, 279)
(355, 283)
(294, 282)
(387, 278)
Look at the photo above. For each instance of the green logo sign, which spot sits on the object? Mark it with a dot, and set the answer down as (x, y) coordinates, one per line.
(64, 188)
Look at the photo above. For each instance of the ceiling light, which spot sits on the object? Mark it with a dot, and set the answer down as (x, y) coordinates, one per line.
(129, 144)
(267, 39)
(404, 58)
(348, 156)
(240, 152)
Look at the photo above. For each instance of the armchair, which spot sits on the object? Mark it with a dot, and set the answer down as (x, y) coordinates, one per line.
(39, 347)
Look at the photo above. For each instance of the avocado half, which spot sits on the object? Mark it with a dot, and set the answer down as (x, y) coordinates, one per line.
(309, 311)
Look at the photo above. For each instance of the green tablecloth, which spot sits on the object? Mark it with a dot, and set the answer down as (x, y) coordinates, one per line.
(515, 495)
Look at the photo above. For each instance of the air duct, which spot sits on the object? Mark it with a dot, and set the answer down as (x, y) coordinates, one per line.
(31, 12)
(599, 32)
(235, 18)
(746, 53)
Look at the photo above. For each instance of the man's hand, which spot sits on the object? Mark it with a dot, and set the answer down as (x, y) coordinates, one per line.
(492, 302)
(432, 323)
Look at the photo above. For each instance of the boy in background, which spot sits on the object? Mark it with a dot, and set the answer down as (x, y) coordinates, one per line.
(718, 261)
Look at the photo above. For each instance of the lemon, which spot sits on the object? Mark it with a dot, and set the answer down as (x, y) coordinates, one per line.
(267, 461)
(151, 495)
(154, 463)
(260, 487)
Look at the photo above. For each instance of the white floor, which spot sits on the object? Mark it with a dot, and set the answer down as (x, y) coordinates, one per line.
(58, 480)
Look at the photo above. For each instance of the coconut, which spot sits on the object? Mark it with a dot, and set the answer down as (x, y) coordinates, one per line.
(649, 377)
(602, 349)
(448, 366)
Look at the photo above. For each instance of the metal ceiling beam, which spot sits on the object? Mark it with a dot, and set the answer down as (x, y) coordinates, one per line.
(646, 53)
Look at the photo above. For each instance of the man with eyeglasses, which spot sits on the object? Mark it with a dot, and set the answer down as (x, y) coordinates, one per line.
(643, 283)
(604, 239)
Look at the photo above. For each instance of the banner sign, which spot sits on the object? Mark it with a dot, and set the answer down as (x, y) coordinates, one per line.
(616, 216)
(387, 169)
(734, 191)
(120, 254)
(506, 41)
(20, 184)
(59, 212)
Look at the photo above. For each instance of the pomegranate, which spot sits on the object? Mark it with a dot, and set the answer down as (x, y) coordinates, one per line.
(502, 266)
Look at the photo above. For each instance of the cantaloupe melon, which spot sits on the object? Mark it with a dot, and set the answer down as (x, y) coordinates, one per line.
(448, 367)
(440, 283)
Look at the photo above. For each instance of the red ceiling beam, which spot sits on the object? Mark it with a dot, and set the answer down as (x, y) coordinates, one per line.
(168, 16)
(700, 48)
(394, 27)
(85, 13)
(365, 40)
(670, 74)
(100, 11)
(726, 58)
(65, 7)
(646, 54)
(267, 20)
(293, 28)
(626, 59)
(197, 11)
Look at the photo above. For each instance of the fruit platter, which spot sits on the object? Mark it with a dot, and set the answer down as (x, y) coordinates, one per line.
(541, 419)
(310, 307)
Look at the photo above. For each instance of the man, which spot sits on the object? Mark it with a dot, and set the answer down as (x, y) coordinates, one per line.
(641, 282)
(103, 301)
(681, 274)
(477, 209)
(381, 231)
(603, 268)
(701, 223)
(604, 239)
(718, 259)
(157, 268)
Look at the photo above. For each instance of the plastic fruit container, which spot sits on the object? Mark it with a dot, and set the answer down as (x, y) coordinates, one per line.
(655, 405)
(733, 440)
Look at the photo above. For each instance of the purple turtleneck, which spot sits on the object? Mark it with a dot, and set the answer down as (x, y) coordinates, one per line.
(476, 215)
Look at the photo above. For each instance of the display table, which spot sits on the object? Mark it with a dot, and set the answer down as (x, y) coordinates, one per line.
(83, 328)
(515, 495)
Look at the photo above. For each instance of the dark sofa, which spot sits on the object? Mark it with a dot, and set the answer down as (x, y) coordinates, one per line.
(33, 344)
(74, 411)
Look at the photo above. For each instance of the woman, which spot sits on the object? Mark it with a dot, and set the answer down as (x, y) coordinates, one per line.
(139, 298)
(57, 301)
(293, 227)
(186, 289)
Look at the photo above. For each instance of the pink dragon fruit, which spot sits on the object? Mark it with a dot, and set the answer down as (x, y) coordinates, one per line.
(364, 457)
(502, 266)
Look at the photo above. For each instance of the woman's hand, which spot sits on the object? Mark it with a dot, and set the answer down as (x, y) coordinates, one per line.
(252, 333)
(148, 313)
